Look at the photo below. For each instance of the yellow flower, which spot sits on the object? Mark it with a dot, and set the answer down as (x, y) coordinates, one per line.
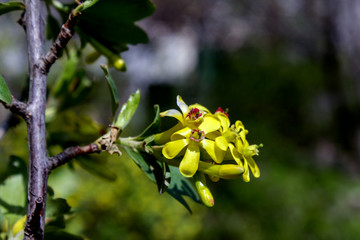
(192, 139)
(190, 116)
(247, 152)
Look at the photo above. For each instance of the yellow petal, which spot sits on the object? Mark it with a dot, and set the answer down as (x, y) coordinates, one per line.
(215, 153)
(209, 147)
(253, 166)
(221, 143)
(172, 149)
(246, 175)
(239, 126)
(209, 124)
(182, 133)
(236, 155)
(200, 107)
(190, 163)
(173, 113)
(224, 120)
(182, 105)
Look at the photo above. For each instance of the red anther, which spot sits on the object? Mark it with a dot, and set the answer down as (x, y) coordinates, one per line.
(222, 111)
(194, 114)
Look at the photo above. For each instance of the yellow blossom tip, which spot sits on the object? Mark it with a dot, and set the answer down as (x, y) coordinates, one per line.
(230, 170)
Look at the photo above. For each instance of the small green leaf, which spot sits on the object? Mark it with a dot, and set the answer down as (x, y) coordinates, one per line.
(128, 110)
(11, 6)
(154, 127)
(5, 94)
(113, 89)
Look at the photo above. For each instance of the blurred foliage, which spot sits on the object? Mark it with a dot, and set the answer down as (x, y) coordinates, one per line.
(297, 196)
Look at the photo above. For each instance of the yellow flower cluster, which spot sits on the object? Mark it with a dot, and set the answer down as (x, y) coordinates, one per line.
(204, 141)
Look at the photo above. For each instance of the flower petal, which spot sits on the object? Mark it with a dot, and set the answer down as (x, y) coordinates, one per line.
(253, 166)
(200, 107)
(209, 124)
(221, 143)
(190, 163)
(182, 133)
(173, 113)
(239, 126)
(236, 155)
(246, 174)
(172, 149)
(224, 120)
(182, 105)
(209, 147)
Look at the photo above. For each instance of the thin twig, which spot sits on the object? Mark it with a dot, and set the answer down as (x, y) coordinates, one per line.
(17, 107)
(66, 33)
(70, 153)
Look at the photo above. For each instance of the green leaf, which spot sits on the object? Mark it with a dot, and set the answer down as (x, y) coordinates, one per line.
(11, 6)
(12, 196)
(154, 127)
(112, 21)
(63, 82)
(113, 89)
(5, 94)
(97, 166)
(128, 110)
(179, 186)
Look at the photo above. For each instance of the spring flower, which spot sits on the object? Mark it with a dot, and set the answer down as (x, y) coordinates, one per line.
(191, 116)
(191, 139)
(204, 140)
(247, 152)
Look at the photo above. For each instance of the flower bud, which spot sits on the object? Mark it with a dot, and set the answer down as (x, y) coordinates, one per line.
(203, 190)
(226, 171)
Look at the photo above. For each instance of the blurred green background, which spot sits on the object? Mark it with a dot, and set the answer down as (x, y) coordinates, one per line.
(289, 70)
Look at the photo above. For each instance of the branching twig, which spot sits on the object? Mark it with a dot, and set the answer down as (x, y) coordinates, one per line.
(71, 153)
(18, 108)
(67, 31)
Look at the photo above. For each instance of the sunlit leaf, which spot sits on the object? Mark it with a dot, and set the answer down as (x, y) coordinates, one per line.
(128, 110)
(11, 6)
(5, 94)
(113, 89)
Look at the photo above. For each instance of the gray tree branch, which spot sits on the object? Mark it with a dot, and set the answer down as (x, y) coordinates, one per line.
(38, 160)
